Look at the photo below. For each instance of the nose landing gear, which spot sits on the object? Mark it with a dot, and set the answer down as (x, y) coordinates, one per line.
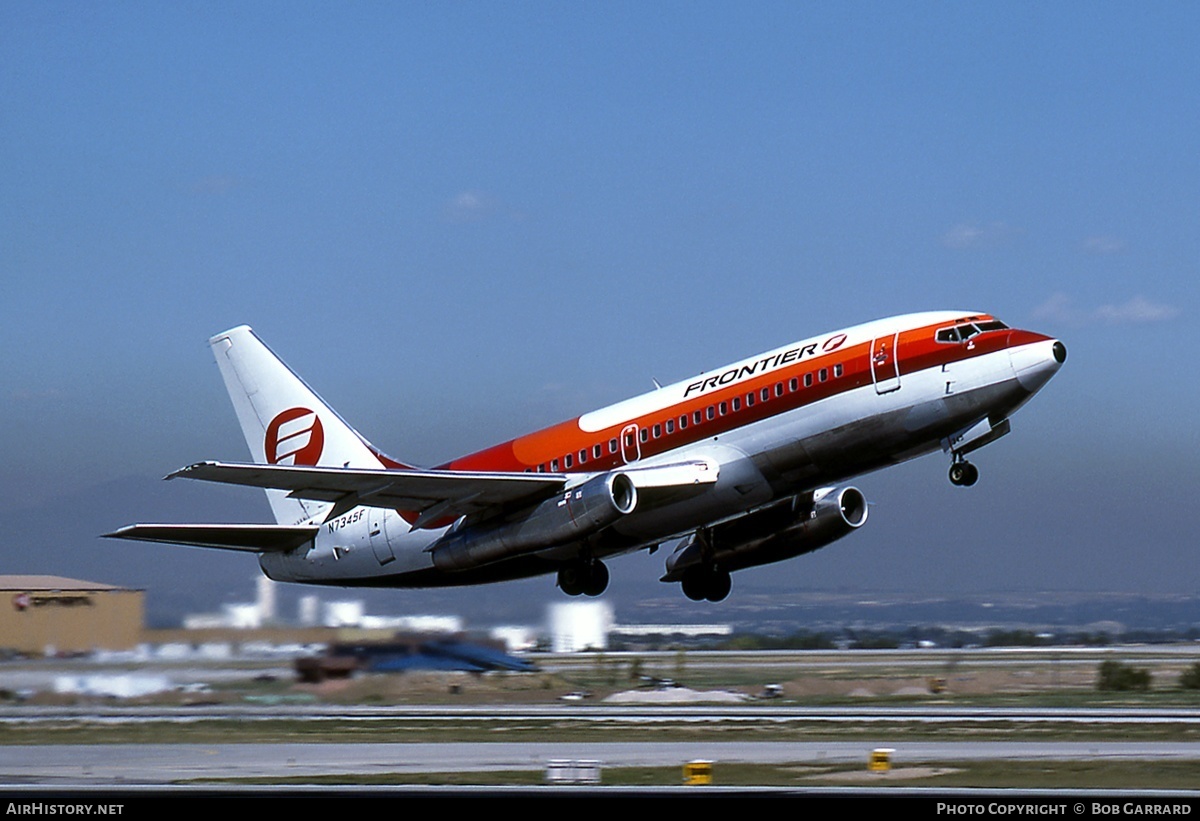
(963, 473)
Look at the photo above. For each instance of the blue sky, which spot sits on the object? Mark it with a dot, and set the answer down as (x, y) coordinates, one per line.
(462, 221)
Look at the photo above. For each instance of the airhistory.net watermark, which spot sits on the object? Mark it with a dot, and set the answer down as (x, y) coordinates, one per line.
(46, 808)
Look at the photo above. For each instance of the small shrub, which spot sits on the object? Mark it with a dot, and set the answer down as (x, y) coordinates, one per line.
(1115, 675)
(1189, 679)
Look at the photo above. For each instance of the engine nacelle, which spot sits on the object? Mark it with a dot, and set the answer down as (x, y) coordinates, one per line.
(790, 528)
(567, 517)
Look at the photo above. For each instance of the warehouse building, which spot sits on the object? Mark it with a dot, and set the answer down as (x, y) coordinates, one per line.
(52, 615)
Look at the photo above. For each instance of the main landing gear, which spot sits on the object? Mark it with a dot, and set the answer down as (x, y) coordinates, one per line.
(586, 576)
(706, 582)
(962, 472)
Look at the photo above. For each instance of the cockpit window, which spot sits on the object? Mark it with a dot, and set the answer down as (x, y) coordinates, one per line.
(966, 330)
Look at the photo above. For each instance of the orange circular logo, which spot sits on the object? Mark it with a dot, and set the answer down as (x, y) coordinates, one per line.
(295, 437)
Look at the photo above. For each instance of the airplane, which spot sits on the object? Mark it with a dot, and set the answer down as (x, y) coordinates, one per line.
(736, 467)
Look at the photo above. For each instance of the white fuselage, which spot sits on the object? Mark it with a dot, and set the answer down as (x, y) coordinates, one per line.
(903, 395)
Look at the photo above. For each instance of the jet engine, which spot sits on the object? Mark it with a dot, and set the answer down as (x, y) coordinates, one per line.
(789, 528)
(565, 517)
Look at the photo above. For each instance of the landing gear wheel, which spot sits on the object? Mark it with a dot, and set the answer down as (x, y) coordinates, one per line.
(583, 577)
(701, 583)
(963, 474)
(571, 579)
(719, 585)
(597, 579)
(693, 584)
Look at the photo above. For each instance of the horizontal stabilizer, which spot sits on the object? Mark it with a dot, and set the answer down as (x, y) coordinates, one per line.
(247, 538)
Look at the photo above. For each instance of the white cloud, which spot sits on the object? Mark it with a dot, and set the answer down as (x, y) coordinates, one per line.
(1057, 307)
(24, 395)
(468, 206)
(476, 206)
(217, 184)
(1103, 245)
(973, 235)
(1136, 310)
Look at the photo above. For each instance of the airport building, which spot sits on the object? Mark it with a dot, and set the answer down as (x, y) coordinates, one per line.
(51, 615)
(579, 626)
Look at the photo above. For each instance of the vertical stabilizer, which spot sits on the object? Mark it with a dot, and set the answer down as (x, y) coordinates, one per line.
(284, 421)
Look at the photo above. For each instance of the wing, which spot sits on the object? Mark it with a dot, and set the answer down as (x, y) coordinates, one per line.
(248, 538)
(439, 496)
(436, 495)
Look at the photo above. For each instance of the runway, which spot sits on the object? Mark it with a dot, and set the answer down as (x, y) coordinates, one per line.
(161, 764)
(690, 714)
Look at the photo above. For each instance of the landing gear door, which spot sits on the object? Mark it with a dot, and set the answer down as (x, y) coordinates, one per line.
(885, 367)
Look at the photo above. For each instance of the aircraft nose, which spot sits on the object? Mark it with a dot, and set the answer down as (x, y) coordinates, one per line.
(1035, 362)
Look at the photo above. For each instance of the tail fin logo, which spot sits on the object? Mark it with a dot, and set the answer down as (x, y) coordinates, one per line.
(295, 437)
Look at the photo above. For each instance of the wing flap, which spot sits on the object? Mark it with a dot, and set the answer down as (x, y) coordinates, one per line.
(659, 485)
(245, 538)
(453, 493)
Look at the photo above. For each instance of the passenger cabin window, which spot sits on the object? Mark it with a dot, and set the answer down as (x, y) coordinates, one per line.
(670, 426)
(823, 374)
(737, 403)
(612, 446)
(779, 387)
(766, 394)
(583, 456)
(554, 466)
(749, 400)
(598, 450)
(793, 384)
(568, 461)
(808, 380)
(837, 370)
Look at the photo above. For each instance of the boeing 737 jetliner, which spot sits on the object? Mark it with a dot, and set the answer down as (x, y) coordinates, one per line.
(737, 467)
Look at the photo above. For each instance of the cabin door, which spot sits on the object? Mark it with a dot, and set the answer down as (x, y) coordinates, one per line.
(377, 528)
(885, 366)
(631, 446)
